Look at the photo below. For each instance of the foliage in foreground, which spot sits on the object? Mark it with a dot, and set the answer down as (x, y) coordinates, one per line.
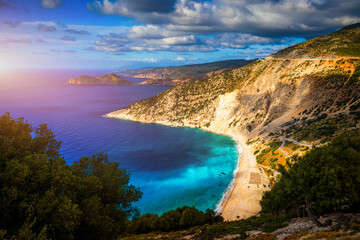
(181, 218)
(41, 197)
(265, 223)
(325, 180)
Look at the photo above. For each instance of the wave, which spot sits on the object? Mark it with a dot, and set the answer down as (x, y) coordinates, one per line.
(225, 195)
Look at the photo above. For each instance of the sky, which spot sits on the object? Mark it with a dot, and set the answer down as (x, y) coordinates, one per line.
(124, 34)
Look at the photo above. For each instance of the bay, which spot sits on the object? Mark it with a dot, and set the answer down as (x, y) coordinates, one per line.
(172, 166)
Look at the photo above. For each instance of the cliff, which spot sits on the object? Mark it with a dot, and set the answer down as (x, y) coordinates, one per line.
(285, 95)
(107, 79)
(171, 76)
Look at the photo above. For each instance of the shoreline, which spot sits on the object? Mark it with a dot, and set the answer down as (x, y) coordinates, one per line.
(241, 198)
(250, 183)
(228, 190)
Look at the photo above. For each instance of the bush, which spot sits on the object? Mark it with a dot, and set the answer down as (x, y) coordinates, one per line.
(181, 218)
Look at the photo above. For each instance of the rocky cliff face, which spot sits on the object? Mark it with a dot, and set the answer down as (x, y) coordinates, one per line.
(107, 79)
(258, 98)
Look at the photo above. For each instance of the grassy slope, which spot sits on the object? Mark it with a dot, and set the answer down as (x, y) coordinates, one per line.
(343, 43)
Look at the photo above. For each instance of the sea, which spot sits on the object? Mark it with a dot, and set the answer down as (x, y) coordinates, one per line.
(172, 166)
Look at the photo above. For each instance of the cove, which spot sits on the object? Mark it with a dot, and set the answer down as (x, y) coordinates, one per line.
(172, 166)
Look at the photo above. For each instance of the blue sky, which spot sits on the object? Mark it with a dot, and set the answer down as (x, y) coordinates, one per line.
(120, 34)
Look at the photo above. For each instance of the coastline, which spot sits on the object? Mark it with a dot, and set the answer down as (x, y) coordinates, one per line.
(242, 197)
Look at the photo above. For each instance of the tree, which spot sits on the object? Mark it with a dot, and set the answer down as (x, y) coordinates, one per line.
(322, 180)
(191, 217)
(145, 223)
(170, 221)
(42, 197)
(104, 196)
(173, 220)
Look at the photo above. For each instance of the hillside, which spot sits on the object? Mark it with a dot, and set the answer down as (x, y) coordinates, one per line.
(285, 95)
(343, 43)
(172, 76)
(107, 79)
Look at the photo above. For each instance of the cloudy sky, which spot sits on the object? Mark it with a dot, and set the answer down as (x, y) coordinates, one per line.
(137, 33)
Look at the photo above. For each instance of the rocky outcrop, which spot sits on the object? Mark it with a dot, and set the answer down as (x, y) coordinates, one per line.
(107, 79)
(337, 226)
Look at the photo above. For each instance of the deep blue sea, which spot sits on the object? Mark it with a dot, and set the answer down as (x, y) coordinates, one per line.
(172, 166)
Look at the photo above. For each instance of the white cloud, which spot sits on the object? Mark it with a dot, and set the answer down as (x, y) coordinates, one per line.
(256, 17)
(204, 26)
(180, 40)
(151, 31)
(50, 3)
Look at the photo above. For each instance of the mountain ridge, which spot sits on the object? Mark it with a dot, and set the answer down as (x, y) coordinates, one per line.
(173, 75)
(342, 43)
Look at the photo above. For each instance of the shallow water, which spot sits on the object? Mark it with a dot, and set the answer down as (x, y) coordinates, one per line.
(173, 166)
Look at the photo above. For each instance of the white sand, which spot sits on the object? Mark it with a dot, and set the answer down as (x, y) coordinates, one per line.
(243, 200)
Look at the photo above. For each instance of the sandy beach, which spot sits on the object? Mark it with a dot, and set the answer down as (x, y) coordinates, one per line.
(242, 201)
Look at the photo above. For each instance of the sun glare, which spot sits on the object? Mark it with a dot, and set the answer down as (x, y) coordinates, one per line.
(3, 64)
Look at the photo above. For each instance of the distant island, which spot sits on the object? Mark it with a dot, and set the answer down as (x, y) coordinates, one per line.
(107, 79)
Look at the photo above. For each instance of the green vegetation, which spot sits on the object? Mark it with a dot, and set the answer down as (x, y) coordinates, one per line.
(324, 129)
(356, 74)
(272, 147)
(345, 42)
(43, 198)
(174, 220)
(322, 181)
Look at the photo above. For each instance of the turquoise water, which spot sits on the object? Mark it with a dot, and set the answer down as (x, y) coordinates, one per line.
(172, 166)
